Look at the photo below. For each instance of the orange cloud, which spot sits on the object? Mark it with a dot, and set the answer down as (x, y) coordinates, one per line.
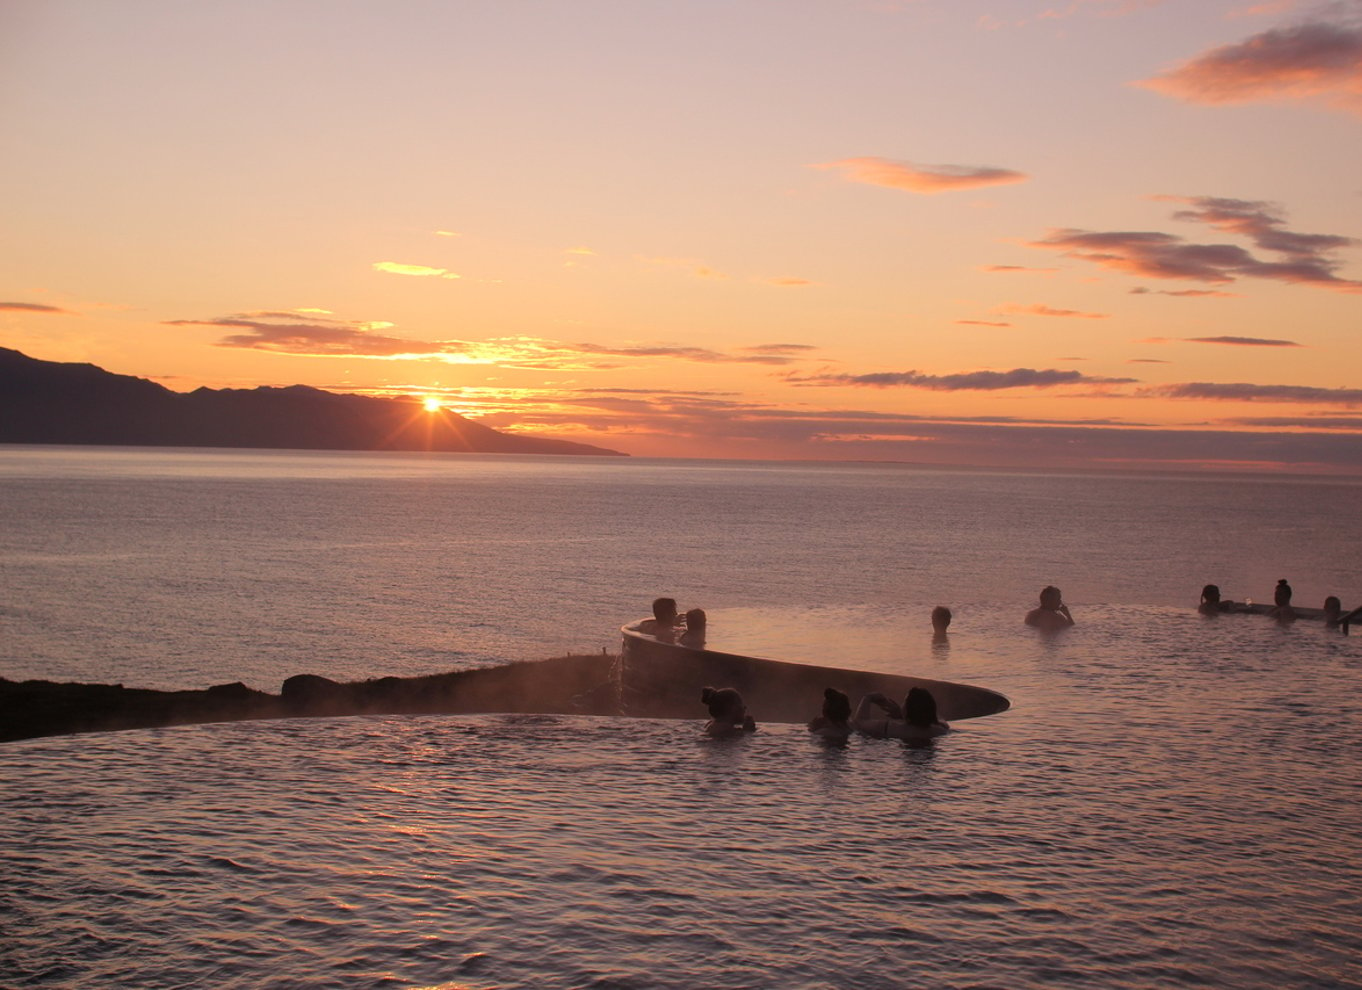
(984, 323)
(925, 179)
(1317, 62)
(1039, 309)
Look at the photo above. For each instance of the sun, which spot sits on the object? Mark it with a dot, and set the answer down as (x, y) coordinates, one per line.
(431, 404)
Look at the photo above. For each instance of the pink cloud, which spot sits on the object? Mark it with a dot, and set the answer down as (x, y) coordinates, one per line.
(1305, 257)
(1184, 293)
(1319, 62)
(983, 323)
(925, 179)
(1245, 341)
(1248, 392)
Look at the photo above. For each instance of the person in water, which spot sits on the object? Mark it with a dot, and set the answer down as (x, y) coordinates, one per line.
(1052, 613)
(1281, 599)
(883, 718)
(694, 636)
(835, 722)
(664, 621)
(941, 621)
(1211, 603)
(1334, 617)
(727, 712)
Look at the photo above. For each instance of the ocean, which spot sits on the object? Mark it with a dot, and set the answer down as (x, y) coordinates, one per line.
(1170, 799)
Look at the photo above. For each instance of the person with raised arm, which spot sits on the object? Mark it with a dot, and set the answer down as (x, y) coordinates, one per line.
(883, 718)
(1052, 612)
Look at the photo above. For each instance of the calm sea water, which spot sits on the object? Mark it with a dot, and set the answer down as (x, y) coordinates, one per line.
(1171, 801)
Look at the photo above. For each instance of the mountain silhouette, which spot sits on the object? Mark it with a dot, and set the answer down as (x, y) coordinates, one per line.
(53, 402)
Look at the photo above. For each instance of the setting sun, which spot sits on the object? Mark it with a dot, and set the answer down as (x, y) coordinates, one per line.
(431, 404)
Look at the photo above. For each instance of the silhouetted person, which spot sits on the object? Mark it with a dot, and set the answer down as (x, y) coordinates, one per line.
(727, 712)
(663, 623)
(1052, 613)
(941, 621)
(1334, 617)
(882, 718)
(694, 636)
(835, 722)
(1210, 601)
(1281, 598)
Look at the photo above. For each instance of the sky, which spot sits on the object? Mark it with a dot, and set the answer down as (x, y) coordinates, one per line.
(1000, 233)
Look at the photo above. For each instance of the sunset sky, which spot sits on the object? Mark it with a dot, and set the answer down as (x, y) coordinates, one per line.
(993, 232)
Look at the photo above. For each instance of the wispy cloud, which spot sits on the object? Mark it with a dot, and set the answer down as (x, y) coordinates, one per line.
(700, 424)
(701, 354)
(1247, 392)
(1140, 290)
(290, 333)
(26, 307)
(1011, 269)
(788, 281)
(690, 265)
(1318, 62)
(971, 381)
(320, 339)
(419, 271)
(1245, 341)
(784, 350)
(1352, 424)
(1039, 309)
(926, 179)
(984, 323)
(1154, 254)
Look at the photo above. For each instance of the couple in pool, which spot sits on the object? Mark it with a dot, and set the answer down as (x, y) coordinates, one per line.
(666, 622)
(876, 716)
(879, 717)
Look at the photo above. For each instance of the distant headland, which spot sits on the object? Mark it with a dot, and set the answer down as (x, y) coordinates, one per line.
(52, 402)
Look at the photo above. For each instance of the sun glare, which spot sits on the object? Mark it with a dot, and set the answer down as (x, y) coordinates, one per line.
(431, 404)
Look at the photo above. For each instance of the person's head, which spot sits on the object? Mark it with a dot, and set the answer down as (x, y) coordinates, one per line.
(723, 703)
(695, 620)
(919, 708)
(941, 618)
(1210, 595)
(664, 610)
(1332, 606)
(1282, 595)
(1050, 597)
(836, 705)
